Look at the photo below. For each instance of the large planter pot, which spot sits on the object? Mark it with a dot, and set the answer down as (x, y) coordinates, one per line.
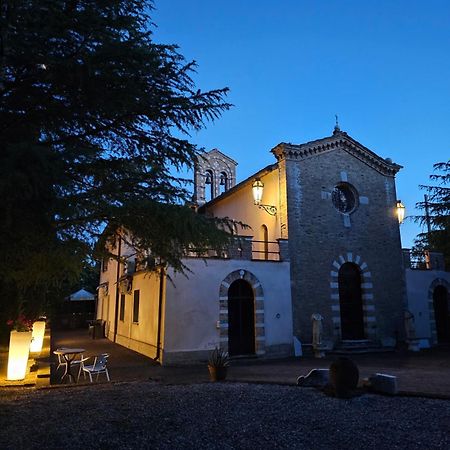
(37, 336)
(19, 350)
(217, 373)
(344, 376)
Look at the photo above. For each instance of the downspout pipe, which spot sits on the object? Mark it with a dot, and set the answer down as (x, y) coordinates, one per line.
(161, 295)
(116, 313)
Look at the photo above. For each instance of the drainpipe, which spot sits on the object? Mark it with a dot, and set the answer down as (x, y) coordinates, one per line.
(116, 314)
(161, 293)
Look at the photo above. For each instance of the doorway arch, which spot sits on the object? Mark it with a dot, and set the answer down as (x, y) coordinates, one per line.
(241, 319)
(350, 302)
(259, 324)
(441, 313)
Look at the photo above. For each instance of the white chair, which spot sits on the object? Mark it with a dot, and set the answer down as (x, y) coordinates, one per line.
(61, 360)
(98, 367)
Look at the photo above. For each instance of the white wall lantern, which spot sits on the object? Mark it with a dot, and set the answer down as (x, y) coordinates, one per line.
(258, 189)
(37, 336)
(19, 350)
(400, 211)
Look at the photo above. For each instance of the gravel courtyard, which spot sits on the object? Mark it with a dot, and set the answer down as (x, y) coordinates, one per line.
(223, 415)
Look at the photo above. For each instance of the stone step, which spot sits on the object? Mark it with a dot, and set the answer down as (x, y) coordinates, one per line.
(359, 346)
(360, 351)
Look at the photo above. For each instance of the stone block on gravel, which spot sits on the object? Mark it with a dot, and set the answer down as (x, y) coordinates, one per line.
(315, 378)
(383, 383)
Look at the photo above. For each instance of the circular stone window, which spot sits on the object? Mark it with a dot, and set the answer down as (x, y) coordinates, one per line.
(344, 198)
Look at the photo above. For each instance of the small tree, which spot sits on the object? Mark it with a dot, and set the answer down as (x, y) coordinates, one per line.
(436, 207)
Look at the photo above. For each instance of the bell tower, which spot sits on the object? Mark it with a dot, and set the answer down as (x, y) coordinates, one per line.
(214, 174)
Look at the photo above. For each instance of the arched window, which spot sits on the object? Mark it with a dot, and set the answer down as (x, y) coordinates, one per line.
(223, 183)
(209, 186)
(265, 241)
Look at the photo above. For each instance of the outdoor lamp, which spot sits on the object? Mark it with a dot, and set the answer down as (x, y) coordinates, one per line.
(400, 211)
(37, 336)
(19, 349)
(258, 188)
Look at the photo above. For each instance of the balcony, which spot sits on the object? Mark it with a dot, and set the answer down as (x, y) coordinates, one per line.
(425, 260)
(246, 248)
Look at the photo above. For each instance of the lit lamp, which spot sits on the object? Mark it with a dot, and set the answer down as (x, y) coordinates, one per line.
(38, 336)
(19, 349)
(258, 188)
(400, 211)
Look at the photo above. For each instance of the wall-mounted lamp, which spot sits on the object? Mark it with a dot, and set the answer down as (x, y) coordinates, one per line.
(400, 211)
(258, 188)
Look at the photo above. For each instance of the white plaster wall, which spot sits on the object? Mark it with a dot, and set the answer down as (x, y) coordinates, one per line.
(239, 206)
(142, 335)
(417, 285)
(192, 304)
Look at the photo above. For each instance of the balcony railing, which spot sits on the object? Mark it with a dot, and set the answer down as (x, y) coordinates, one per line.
(245, 247)
(265, 250)
(425, 260)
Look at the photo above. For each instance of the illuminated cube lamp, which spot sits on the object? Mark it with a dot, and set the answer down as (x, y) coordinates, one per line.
(19, 350)
(38, 336)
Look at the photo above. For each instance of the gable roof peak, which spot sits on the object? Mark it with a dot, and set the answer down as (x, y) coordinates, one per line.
(339, 139)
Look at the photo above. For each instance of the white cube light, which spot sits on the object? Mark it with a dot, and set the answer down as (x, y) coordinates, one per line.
(38, 336)
(19, 350)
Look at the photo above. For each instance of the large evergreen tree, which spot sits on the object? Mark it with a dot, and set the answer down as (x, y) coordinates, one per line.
(436, 215)
(94, 123)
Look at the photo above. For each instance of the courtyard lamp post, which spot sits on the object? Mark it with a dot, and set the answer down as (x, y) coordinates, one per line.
(258, 189)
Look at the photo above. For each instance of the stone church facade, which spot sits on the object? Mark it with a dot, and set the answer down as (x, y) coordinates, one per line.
(343, 235)
(323, 240)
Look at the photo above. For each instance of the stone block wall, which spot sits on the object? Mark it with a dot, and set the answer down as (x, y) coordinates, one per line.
(321, 239)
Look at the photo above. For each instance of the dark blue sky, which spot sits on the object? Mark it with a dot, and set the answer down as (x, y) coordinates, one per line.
(383, 66)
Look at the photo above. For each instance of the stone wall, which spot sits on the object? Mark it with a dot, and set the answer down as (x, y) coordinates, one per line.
(321, 239)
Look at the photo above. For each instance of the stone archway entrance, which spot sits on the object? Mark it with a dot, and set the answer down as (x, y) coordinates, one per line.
(350, 302)
(241, 318)
(441, 313)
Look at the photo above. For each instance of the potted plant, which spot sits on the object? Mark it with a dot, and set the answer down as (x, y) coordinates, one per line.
(217, 364)
(19, 347)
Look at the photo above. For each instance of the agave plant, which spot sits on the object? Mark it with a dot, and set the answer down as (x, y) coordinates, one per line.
(219, 358)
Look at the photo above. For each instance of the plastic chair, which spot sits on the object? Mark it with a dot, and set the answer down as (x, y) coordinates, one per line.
(97, 368)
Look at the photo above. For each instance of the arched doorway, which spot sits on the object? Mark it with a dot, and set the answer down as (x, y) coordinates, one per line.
(241, 319)
(350, 302)
(441, 313)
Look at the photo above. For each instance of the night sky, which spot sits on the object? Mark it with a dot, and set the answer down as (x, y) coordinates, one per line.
(383, 66)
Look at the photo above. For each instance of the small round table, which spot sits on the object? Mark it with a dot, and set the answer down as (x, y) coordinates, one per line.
(69, 355)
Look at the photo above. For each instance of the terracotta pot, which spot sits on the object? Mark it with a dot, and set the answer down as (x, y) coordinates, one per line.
(344, 376)
(217, 373)
(19, 350)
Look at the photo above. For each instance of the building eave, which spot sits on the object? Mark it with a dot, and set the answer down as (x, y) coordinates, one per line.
(339, 140)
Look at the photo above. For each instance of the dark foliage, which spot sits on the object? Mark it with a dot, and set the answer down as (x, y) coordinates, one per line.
(438, 205)
(94, 125)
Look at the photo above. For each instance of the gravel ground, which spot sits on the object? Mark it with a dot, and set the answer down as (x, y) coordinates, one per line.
(138, 415)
